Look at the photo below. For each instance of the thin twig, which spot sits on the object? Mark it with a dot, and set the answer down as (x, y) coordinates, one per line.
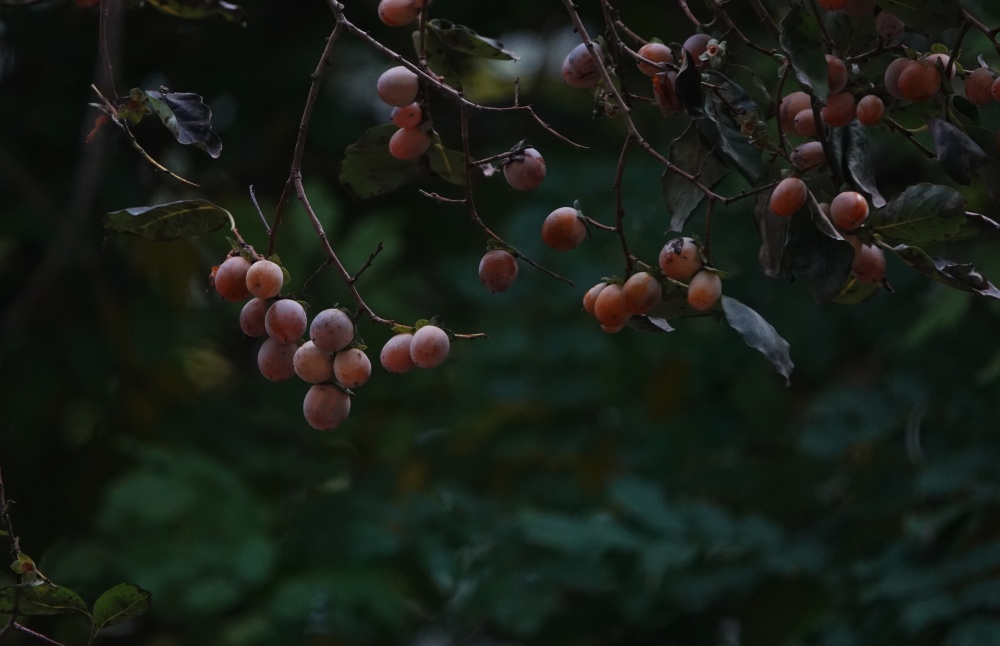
(253, 198)
(620, 205)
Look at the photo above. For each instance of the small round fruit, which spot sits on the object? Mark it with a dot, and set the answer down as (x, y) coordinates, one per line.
(409, 143)
(398, 86)
(525, 174)
(833, 5)
(285, 321)
(888, 26)
(839, 110)
(788, 196)
(265, 279)
(836, 73)
(396, 13)
(326, 407)
(805, 123)
(252, 317)
(656, 52)
(994, 90)
(790, 106)
(642, 292)
(696, 45)
(808, 156)
(869, 261)
(870, 110)
(849, 210)
(275, 360)
(563, 229)
(312, 364)
(231, 279)
(352, 367)
(979, 86)
(332, 330)
(408, 116)
(590, 298)
(429, 347)
(579, 69)
(945, 61)
(892, 73)
(395, 354)
(612, 329)
(704, 290)
(609, 308)
(920, 81)
(497, 270)
(680, 259)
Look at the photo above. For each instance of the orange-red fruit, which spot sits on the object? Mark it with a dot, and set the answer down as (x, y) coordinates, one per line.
(497, 270)
(275, 360)
(332, 330)
(312, 364)
(525, 174)
(265, 279)
(326, 407)
(395, 355)
(563, 230)
(791, 105)
(579, 69)
(808, 156)
(892, 73)
(409, 143)
(252, 317)
(979, 86)
(888, 26)
(398, 86)
(696, 45)
(945, 61)
(680, 259)
(285, 321)
(869, 261)
(849, 210)
(994, 89)
(805, 123)
(656, 52)
(839, 110)
(609, 308)
(429, 347)
(836, 74)
(704, 290)
(788, 196)
(396, 13)
(870, 110)
(590, 298)
(833, 5)
(665, 91)
(919, 81)
(408, 116)
(642, 292)
(352, 367)
(231, 279)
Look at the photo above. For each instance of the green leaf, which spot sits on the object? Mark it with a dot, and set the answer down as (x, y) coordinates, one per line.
(462, 39)
(922, 213)
(856, 291)
(802, 40)
(958, 275)
(40, 599)
(924, 15)
(720, 128)
(369, 170)
(649, 323)
(957, 153)
(437, 53)
(187, 118)
(197, 9)
(987, 11)
(759, 335)
(170, 221)
(689, 153)
(447, 164)
(773, 232)
(850, 145)
(818, 259)
(687, 86)
(124, 602)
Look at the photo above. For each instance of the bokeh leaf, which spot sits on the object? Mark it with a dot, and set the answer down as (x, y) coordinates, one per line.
(462, 39)
(169, 221)
(197, 9)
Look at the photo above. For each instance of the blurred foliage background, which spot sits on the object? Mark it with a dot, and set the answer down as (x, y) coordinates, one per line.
(548, 485)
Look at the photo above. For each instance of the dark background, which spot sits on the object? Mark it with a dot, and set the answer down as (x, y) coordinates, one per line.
(548, 485)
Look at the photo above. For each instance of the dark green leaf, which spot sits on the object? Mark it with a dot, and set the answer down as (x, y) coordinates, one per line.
(437, 53)
(196, 9)
(754, 88)
(823, 262)
(187, 118)
(924, 15)
(720, 128)
(759, 335)
(921, 213)
(124, 602)
(689, 153)
(803, 42)
(462, 39)
(169, 221)
(960, 276)
(987, 11)
(369, 170)
(773, 232)
(850, 145)
(957, 153)
(688, 85)
(856, 291)
(447, 164)
(649, 323)
(43, 599)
